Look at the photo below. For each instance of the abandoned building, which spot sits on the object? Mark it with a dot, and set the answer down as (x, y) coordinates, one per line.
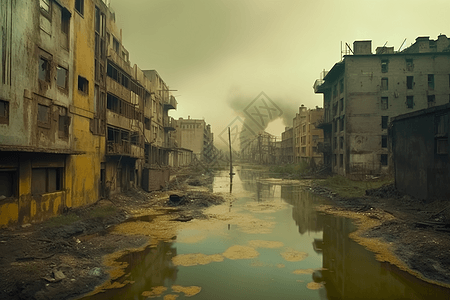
(196, 135)
(420, 152)
(82, 123)
(263, 148)
(307, 136)
(287, 145)
(363, 91)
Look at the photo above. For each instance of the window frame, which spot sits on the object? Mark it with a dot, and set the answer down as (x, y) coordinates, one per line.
(79, 9)
(4, 119)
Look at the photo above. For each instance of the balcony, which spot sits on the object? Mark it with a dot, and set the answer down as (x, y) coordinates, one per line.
(323, 124)
(169, 123)
(113, 148)
(170, 103)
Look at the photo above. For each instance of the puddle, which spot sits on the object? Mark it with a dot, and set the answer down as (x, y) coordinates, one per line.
(268, 242)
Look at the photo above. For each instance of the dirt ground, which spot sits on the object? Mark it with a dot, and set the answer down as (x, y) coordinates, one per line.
(410, 233)
(63, 258)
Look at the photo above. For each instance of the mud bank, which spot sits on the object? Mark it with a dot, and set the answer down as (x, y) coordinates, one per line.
(409, 233)
(76, 253)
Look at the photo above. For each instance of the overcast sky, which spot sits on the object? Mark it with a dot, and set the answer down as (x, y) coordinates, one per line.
(221, 54)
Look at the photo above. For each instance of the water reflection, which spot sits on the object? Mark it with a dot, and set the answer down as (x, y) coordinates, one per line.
(303, 202)
(149, 268)
(353, 273)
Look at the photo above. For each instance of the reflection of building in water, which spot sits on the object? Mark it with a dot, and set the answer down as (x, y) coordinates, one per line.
(149, 268)
(353, 273)
(303, 212)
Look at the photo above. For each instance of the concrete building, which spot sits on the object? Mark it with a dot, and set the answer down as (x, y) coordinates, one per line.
(421, 152)
(287, 146)
(74, 113)
(306, 136)
(196, 135)
(365, 90)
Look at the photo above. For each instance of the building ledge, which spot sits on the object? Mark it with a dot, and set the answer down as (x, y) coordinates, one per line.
(15, 148)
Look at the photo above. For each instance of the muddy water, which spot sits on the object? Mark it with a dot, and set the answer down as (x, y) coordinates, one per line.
(269, 243)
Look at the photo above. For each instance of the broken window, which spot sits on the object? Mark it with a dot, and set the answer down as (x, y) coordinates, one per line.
(135, 138)
(384, 159)
(410, 101)
(431, 81)
(44, 69)
(384, 84)
(61, 77)
(83, 84)
(409, 65)
(384, 141)
(384, 122)
(46, 180)
(431, 100)
(384, 66)
(4, 112)
(79, 6)
(43, 116)
(409, 82)
(63, 123)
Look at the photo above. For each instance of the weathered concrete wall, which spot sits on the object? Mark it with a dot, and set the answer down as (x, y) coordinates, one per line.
(419, 170)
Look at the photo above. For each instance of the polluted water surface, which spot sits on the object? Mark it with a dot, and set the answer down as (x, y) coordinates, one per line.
(266, 242)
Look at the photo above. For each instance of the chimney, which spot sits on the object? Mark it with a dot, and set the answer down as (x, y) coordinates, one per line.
(442, 42)
(362, 47)
(189, 117)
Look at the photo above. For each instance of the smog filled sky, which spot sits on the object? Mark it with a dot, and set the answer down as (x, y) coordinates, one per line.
(220, 55)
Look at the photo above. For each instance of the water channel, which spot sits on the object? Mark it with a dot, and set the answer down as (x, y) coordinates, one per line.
(281, 249)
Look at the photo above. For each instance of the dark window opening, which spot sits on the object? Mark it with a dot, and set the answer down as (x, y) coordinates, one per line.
(8, 183)
(116, 45)
(97, 20)
(384, 141)
(442, 146)
(384, 122)
(409, 82)
(61, 77)
(384, 84)
(135, 138)
(341, 104)
(63, 123)
(44, 69)
(341, 124)
(384, 66)
(341, 86)
(384, 103)
(409, 65)
(83, 84)
(46, 180)
(147, 123)
(431, 81)
(65, 21)
(341, 160)
(43, 116)
(431, 100)
(4, 112)
(341, 142)
(79, 6)
(384, 159)
(410, 101)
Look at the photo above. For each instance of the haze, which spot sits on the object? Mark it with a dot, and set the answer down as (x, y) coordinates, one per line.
(219, 55)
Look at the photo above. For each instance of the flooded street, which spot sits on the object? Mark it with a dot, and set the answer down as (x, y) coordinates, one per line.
(269, 243)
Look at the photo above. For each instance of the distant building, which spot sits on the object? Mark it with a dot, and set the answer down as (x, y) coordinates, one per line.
(196, 135)
(306, 136)
(421, 152)
(365, 90)
(263, 148)
(287, 145)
